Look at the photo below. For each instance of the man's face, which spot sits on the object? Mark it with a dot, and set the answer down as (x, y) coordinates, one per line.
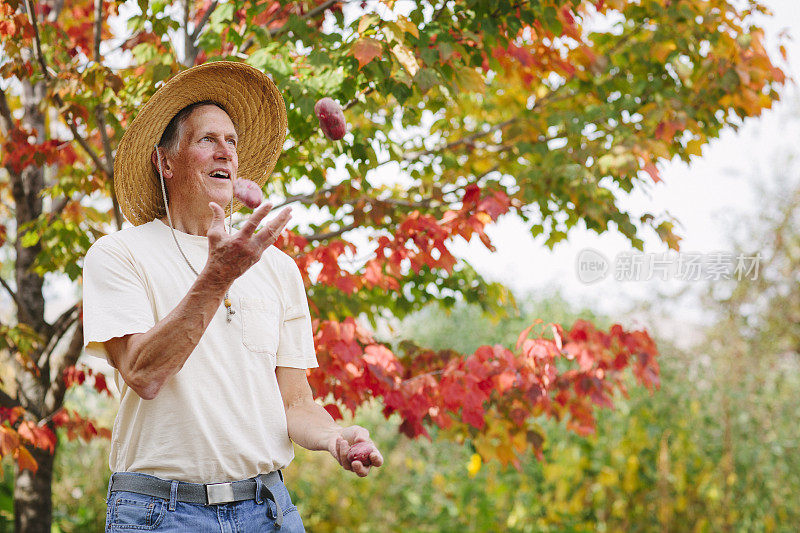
(205, 162)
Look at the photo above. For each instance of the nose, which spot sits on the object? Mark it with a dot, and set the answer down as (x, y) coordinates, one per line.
(225, 151)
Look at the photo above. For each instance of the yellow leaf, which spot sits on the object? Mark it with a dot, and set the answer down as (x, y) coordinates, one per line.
(607, 477)
(542, 91)
(365, 22)
(406, 58)
(469, 80)
(474, 465)
(392, 32)
(408, 26)
(366, 49)
(661, 50)
(694, 147)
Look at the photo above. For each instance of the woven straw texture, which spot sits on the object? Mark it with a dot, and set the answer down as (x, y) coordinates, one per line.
(254, 104)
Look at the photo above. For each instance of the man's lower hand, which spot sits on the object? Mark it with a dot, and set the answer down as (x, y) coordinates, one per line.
(347, 439)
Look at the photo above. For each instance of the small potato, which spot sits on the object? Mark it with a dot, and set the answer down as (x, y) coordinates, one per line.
(331, 118)
(360, 452)
(248, 192)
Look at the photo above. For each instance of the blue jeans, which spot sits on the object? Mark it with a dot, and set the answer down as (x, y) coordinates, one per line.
(134, 512)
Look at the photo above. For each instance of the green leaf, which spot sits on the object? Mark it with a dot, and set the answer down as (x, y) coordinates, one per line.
(222, 16)
(144, 52)
(446, 51)
(430, 56)
(271, 63)
(425, 79)
(161, 72)
(29, 239)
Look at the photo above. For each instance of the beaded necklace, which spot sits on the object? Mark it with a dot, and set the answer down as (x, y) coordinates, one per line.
(228, 306)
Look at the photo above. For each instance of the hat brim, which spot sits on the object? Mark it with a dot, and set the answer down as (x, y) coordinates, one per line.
(251, 99)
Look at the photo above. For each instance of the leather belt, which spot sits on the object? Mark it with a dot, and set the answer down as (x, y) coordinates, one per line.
(203, 493)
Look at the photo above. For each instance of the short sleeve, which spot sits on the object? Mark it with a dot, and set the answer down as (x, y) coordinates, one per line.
(296, 345)
(115, 301)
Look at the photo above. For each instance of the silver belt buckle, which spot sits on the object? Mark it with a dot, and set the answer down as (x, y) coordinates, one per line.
(217, 493)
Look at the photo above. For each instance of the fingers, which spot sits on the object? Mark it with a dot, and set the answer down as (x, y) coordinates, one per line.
(360, 469)
(274, 227)
(341, 453)
(218, 217)
(375, 458)
(255, 219)
(217, 226)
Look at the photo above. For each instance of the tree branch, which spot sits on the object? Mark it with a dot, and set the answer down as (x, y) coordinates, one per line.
(203, 21)
(10, 292)
(37, 43)
(55, 393)
(84, 144)
(106, 168)
(100, 117)
(57, 330)
(438, 12)
(330, 234)
(277, 31)
(20, 306)
(59, 102)
(314, 12)
(59, 206)
(6, 118)
(553, 95)
(7, 401)
(469, 139)
(302, 197)
(189, 53)
(98, 28)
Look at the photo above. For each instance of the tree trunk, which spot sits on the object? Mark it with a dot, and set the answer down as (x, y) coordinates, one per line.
(33, 507)
(33, 502)
(28, 203)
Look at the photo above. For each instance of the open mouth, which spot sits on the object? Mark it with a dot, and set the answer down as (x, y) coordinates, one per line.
(221, 175)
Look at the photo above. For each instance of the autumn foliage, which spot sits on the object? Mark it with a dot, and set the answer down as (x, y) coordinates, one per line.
(541, 110)
(470, 395)
(17, 430)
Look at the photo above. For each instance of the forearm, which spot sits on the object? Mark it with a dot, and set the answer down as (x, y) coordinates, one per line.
(161, 352)
(311, 427)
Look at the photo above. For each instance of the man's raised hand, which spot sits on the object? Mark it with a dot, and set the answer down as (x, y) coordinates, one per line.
(229, 256)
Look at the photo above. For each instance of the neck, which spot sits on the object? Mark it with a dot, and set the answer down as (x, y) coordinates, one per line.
(193, 225)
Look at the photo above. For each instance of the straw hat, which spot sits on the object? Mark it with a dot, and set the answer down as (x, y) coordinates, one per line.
(253, 103)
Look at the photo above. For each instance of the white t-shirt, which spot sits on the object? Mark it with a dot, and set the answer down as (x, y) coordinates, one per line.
(221, 417)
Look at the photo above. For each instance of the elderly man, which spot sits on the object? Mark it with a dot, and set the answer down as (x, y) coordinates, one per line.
(208, 330)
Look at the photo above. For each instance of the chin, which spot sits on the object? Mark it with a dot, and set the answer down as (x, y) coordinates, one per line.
(221, 198)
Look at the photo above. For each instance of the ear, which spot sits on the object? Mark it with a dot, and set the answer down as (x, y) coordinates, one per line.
(166, 168)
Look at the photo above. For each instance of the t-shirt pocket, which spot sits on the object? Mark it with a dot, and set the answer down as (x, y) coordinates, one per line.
(260, 325)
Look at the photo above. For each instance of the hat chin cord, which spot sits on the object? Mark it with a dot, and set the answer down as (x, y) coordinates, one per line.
(228, 306)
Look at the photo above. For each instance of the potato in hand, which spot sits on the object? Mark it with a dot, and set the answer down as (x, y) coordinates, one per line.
(360, 452)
